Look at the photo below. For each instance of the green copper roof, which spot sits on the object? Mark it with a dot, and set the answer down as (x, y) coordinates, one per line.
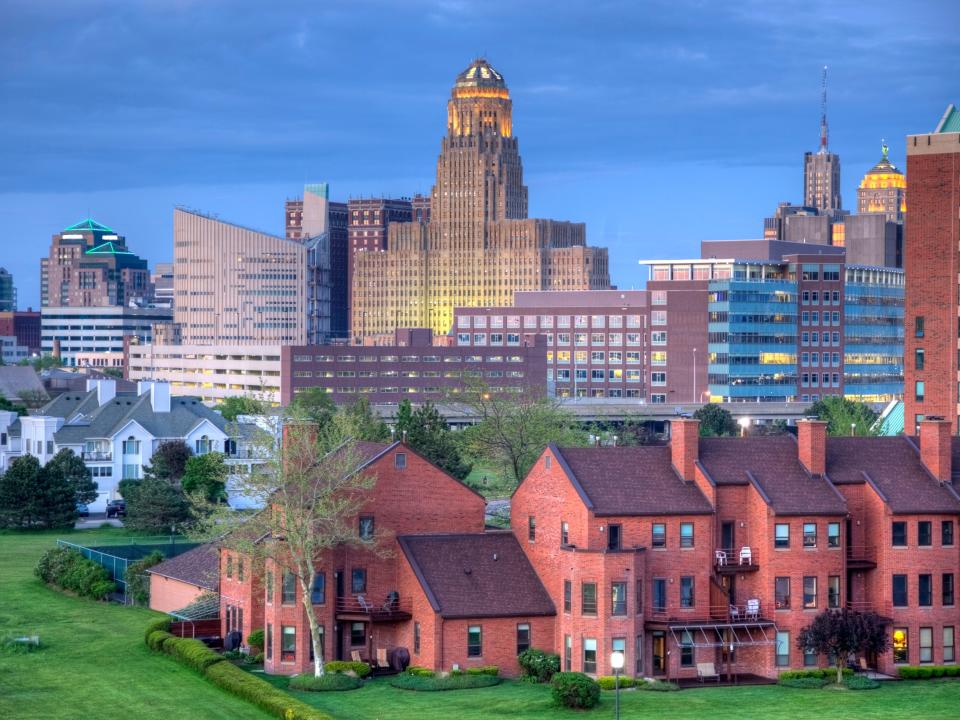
(107, 248)
(89, 225)
(950, 122)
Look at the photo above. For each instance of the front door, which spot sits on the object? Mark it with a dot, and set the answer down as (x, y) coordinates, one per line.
(338, 640)
(659, 653)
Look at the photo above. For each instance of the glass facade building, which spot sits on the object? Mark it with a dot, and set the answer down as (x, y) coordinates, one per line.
(873, 334)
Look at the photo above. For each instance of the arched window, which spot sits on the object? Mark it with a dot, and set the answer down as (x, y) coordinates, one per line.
(131, 446)
(203, 445)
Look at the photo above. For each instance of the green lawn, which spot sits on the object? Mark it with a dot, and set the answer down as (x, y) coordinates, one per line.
(96, 665)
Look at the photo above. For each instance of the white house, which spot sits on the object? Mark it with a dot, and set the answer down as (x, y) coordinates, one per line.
(116, 434)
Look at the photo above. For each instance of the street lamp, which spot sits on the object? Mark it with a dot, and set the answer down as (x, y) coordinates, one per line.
(744, 423)
(616, 662)
(853, 427)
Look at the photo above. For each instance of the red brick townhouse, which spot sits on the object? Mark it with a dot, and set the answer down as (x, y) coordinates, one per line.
(721, 549)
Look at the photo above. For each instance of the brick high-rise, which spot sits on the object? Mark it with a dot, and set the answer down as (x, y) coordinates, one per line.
(479, 246)
(932, 265)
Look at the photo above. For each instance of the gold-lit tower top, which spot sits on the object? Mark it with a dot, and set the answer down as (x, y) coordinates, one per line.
(480, 102)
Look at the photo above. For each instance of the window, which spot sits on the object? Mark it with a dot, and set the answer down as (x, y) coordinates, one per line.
(833, 591)
(564, 533)
(230, 567)
(416, 638)
(567, 653)
(358, 580)
(288, 593)
(567, 595)
(288, 643)
(658, 337)
(899, 534)
(618, 598)
(240, 573)
(320, 641)
(658, 317)
(925, 590)
(809, 592)
(833, 535)
(924, 532)
(686, 649)
(613, 537)
(781, 591)
(900, 590)
(659, 595)
(659, 535)
(686, 591)
(781, 535)
(318, 593)
(946, 590)
(269, 642)
(946, 533)
(783, 649)
(366, 527)
(918, 358)
(658, 378)
(926, 644)
(948, 652)
(589, 655)
(658, 357)
(918, 326)
(474, 641)
(269, 585)
(131, 446)
(523, 637)
(588, 598)
(531, 528)
(809, 535)
(809, 657)
(901, 645)
(358, 635)
(639, 591)
(686, 534)
(919, 390)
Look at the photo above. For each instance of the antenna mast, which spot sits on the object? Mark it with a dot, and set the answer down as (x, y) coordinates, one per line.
(823, 112)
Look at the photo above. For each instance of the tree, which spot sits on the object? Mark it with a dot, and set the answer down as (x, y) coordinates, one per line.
(425, 430)
(33, 496)
(207, 475)
(155, 506)
(233, 407)
(76, 474)
(33, 398)
(11, 407)
(137, 578)
(43, 362)
(844, 417)
(838, 633)
(169, 461)
(362, 424)
(715, 421)
(313, 404)
(513, 429)
(313, 492)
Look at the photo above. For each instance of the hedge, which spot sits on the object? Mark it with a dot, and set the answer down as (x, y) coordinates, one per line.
(69, 570)
(861, 682)
(609, 682)
(255, 639)
(330, 682)
(425, 683)
(262, 694)
(925, 672)
(420, 671)
(574, 690)
(160, 624)
(805, 683)
(656, 685)
(491, 670)
(360, 669)
(156, 638)
(191, 653)
(825, 673)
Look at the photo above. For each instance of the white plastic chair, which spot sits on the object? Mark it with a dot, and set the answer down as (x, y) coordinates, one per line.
(721, 557)
(734, 612)
(753, 609)
(746, 555)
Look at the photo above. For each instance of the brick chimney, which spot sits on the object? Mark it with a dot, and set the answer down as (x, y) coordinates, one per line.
(935, 447)
(812, 445)
(685, 446)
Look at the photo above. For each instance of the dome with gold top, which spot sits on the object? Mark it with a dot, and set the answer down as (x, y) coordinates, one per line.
(883, 189)
(884, 174)
(480, 74)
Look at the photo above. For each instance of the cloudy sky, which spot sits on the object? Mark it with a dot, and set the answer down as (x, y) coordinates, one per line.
(657, 123)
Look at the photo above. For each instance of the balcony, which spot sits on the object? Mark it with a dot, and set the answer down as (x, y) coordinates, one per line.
(746, 612)
(97, 455)
(362, 609)
(733, 561)
(861, 557)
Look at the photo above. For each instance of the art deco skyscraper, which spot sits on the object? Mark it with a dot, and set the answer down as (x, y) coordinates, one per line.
(883, 190)
(479, 246)
(821, 170)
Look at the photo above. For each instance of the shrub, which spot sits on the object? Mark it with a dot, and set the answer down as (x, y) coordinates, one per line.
(331, 682)
(609, 682)
(574, 690)
(138, 581)
(805, 683)
(191, 653)
(537, 665)
(69, 570)
(656, 685)
(427, 683)
(491, 670)
(159, 624)
(860, 682)
(360, 669)
(938, 671)
(258, 659)
(255, 639)
(824, 673)
(156, 638)
(254, 690)
(952, 671)
(420, 671)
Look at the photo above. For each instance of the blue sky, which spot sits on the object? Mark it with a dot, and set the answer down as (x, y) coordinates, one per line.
(657, 123)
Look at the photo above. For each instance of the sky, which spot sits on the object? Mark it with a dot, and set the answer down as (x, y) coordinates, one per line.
(657, 123)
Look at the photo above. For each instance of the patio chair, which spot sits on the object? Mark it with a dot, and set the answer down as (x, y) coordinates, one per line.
(734, 612)
(367, 607)
(382, 662)
(746, 555)
(721, 557)
(707, 670)
(753, 609)
(355, 656)
(392, 603)
(863, 665)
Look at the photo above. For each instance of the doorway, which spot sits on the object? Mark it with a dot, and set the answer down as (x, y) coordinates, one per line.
(659, 653)
(727, 539)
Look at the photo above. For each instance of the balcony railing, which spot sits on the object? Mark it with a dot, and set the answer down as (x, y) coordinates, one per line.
(743, 612)
(383, 611)
(97, 455)
(861, 555)
(734, 560)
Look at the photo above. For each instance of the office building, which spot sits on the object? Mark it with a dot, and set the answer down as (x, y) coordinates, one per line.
(95, 336)
(932, 262)
(162, 279)
(479, 246)
(90, 265)
(24, 325)
(238, 286)
(821, 170)
(883, 190)
(8, 292)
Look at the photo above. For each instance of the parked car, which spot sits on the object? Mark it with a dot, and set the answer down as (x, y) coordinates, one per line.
(83, 510)
(116, 508)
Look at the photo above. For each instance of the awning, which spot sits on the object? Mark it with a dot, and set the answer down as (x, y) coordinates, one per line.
(713, 635)
(205, 607)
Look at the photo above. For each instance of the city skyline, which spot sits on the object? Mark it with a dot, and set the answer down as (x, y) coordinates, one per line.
(592, 113)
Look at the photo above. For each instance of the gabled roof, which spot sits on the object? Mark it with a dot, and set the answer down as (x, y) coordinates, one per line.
(88, 225)
(199, 566)
(17, 378)
(630, 481)
(108, 248)
(476, 575)
(892, 466)
(773, 466)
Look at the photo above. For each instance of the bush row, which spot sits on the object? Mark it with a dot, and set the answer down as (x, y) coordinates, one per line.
(574, 690)
(925, 672)
(537, 665)
(332, 681)
(360, 669)
(825, 673)
(609, 682)
(69, 570)
(805, 683)
(657, 685)
(159, 624)
(228, 677)
(861, 682)
(433, 683)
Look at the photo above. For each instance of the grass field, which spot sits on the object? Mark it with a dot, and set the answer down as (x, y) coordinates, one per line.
(96, 665)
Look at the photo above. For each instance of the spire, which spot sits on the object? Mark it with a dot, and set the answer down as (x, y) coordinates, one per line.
(823, 112)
